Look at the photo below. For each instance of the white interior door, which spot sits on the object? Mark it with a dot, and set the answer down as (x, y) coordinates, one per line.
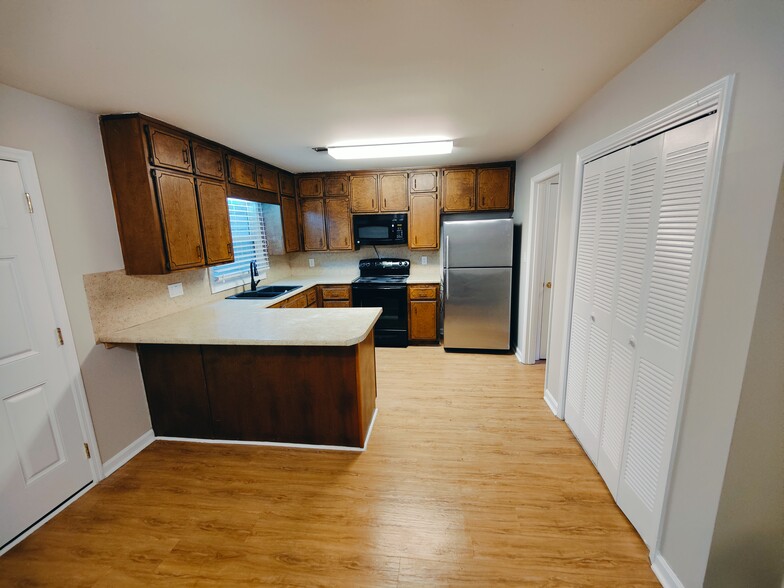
(42, 457)
(548, 252)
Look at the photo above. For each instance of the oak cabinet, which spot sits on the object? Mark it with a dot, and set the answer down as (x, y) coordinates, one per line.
(266, 179)
(335, 296)
(423, 221)
(494, 188)
(208, 161)
(364, 193)
(424, 180)
(336, 185)
(423, 312)
(311, 187)
(286, 184)
(459, 190)
(338, 221)
(314, 237)
(214, 215)
(337, 304)
(290, 218)
(168, 148)
(393, 192)
(311, 297)
(180, 217)
(241, 171)
(298, 301)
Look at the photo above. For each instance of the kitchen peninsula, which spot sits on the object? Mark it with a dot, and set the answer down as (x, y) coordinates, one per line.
(239, 370)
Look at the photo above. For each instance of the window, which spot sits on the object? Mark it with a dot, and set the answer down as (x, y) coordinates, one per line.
(249, 242)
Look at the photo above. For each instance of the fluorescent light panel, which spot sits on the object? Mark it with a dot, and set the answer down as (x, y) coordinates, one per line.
(391, 150)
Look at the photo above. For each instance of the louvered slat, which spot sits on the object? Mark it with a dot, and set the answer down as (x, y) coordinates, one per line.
(586, 238)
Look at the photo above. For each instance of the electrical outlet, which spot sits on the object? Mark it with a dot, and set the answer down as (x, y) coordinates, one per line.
(311, 262)
(175, 290)
(424, 260)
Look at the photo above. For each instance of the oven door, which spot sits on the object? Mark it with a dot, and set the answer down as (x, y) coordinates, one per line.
(391, 330)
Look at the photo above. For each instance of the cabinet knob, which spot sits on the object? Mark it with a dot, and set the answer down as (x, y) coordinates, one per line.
(548, 285)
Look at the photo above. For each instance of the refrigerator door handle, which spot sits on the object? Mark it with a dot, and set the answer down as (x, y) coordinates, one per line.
(446, 252)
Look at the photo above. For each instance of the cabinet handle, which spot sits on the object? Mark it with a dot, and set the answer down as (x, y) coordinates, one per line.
(185, 155)
(198, 251)
(228, 248)
(385, 202)
(220, 166)
(414, 183)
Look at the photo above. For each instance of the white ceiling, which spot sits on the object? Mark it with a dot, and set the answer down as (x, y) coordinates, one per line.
(273, 78)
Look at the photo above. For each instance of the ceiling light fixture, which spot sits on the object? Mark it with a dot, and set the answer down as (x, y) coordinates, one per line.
(390, 150)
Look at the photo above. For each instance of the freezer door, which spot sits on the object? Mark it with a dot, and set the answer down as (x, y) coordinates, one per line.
(477, 308)
(478, 243)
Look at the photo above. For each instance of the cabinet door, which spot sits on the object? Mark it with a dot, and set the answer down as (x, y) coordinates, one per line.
(180, 218)
(336, 304)
(242, 171)
(336, 186)
(422, 318)
(288, 212)
(208, 161)
(424, 181)
(338, 224)
(364, 193)
(393, 192)
(169, 149)
(313, 234)
(311, 187)
(494, 188)
(459, 190)
(423, 222)
(214, 212)
(286, 184)
(266, 179)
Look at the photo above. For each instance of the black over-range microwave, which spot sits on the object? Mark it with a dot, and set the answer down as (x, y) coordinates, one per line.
(381, 229)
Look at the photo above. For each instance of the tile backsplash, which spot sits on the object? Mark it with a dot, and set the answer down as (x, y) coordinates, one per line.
(349, 260)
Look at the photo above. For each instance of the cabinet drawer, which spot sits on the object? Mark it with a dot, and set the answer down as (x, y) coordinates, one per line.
(335, 292)
(311, 297)
(337, 304)
(422, 292)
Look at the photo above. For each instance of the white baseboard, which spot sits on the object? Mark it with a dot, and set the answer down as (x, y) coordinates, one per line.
(113, 464)
(519, 354)
(370, 429)
(664, 572)
(261, 444)
(551, 402)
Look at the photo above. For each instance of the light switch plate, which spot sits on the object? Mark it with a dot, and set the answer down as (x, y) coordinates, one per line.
(175, 290)
(424, 260)
(311, 262)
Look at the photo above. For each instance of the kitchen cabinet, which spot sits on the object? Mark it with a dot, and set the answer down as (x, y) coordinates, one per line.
(336, 185)
(214, 216)
(168, 148)
(241, 171)
(314, 236)
(335, 296)
(459, 190)
(423, 312)
(208, 161)
(311, 187)
(338, 221)
(311, 296)
(424, 180)
(363, 190)
(180, 216)
(298, 301)
(494, 188)
(290, 218)
(393, 192)
(286, 184)
(266, 179)
(423, 221)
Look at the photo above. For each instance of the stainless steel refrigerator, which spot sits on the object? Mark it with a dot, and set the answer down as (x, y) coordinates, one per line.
(476, 260)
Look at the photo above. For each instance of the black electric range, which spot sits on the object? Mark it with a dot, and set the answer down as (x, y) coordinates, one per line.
(382, 283)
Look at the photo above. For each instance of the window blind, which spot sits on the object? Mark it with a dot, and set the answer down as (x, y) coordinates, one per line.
(249, 240)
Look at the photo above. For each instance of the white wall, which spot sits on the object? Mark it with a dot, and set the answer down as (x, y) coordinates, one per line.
(66, 144)
(719, 38)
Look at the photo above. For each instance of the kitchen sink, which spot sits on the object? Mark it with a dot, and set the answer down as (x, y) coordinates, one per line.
(265, 292)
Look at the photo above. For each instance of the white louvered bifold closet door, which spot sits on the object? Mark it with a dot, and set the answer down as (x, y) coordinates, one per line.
(604, 185)
(639, 253)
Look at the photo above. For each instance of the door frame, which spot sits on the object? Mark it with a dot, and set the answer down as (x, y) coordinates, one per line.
(43, 238)
(714, 97)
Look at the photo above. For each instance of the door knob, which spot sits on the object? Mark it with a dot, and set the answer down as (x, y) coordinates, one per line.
(548, 285)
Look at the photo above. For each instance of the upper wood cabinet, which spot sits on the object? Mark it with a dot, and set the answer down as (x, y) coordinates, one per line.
(286, 184)
(266, 179)
(338, 220)
(424, 180)
(288, 213)
(364, 193)
(494, 188)
(459, 190)
(311, 187)
(168, 148)
(393, 191)
(314, 237)
(336, 185)
(180, 215)
(208, 161)
(214, 214)
(423, 222)
(241, 171)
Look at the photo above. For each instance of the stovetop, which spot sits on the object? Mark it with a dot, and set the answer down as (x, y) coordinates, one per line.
(387, 270)
(381, 280)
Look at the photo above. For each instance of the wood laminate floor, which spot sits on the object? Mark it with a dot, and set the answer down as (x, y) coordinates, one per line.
(469, 480)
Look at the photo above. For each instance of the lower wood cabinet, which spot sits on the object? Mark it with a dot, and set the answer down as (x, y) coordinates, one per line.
(423, 313)
(335, 296)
